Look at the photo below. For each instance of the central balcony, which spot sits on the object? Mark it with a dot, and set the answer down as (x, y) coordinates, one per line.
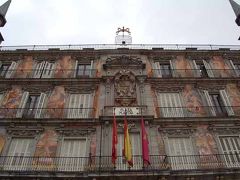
(103, 164)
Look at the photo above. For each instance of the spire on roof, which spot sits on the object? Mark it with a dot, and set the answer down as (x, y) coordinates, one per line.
(235, 6)
(4, 8)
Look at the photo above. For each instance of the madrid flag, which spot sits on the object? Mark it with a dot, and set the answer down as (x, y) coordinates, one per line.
(114, 140)
(145, 150)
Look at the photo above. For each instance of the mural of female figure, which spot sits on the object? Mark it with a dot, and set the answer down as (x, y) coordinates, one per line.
(46, 147)
(24, 69)
(11, 102)
(234, 96)
(222, 69)
(55, 105)
(64, 68)
(193, 101)
(183, 67)
(206, 147)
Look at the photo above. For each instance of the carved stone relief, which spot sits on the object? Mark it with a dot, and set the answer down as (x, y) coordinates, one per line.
(125, 88)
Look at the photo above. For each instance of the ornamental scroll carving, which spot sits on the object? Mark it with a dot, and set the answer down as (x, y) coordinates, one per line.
(125, 88)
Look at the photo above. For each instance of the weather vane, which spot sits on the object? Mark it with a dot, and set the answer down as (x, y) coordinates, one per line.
(123, 30)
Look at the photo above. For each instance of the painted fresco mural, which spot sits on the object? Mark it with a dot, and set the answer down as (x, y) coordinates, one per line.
(183, 67)
(25, 68)
(234, 97)
(64, 67)
(193, 103)
(96, 102)
(93, 148)
(10, 102)
(149, 69)
(2, 138)
(56, 102)
(206, 145)
(221, 68)
(99, 68)
(46, 149)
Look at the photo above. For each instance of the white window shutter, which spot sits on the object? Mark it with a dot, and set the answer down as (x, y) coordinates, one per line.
(71, 106)
(0, 64)
(38, 70)
(1, 97)
(157, 69)
(209, 102)
(48, 70)
(226, 102)
(173, 68)
(209, 69)
(40, 105)
(91, 69)
(22, 104)
(75, 69)
(11, 69)
(195, 68)
(236, 71)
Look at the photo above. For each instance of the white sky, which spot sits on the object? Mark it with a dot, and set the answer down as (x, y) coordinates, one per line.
(32, 22)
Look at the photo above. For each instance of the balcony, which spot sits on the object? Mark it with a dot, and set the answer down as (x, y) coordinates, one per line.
(196, 73)
(198, 111)
(47, 73)
(96, 164)
(46, 113)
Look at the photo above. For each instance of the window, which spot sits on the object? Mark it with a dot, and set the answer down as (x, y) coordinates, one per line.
(181, 153)
(218, 104)
(165, 70)
(18, 154)
(79, 105)
(202, 70)
(83, 70)
(230, 146)
(73, 155)
(31, 105)
(170, 104)
(4, 69)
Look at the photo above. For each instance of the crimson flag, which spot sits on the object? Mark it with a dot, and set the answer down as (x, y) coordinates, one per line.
(145, 150)
(114, 140)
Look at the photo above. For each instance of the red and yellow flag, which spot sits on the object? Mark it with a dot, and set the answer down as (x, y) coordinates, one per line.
(114, 140)
(127, 151)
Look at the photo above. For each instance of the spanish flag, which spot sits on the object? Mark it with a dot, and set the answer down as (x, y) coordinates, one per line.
(127, 151)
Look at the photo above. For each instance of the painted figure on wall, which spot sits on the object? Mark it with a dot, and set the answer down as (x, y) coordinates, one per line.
(205, 142)
(2, 138)
(206, 146)
(55, 105)
(183, 67)
(11, 102)
(234, 97)
(46, 149)
(221, 68)
(64, 67)
(25, 68)
(193, 102)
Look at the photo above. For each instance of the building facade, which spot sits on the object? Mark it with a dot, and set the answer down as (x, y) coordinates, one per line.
(57, 106)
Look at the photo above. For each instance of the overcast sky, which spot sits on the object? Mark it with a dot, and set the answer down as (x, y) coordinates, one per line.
(32, 22)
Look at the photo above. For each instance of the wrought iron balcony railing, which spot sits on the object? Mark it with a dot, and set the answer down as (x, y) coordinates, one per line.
(104, 163)
(196, 73)
(46, 113)
(199, 111)
(47, 73)
(116, 46)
